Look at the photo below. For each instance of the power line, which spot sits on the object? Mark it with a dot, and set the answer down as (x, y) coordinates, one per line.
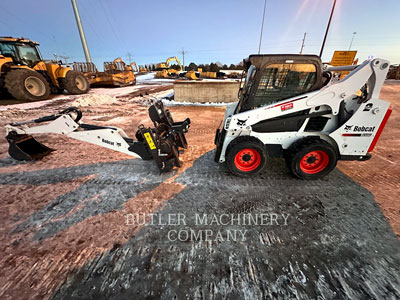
(116, 33)
(24, 21)
(88, 19)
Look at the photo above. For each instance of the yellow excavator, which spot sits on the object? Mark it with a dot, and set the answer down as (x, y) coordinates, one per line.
(164, 70)
(136, 67)
(116, 73)
(143, 69)
(26, 76)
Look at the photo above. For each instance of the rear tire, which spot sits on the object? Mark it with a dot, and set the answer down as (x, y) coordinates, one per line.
(246, 157)
(311, 158)
(75, 83)
(24, 84)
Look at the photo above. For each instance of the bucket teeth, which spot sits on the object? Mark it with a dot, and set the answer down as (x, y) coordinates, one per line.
(25, 147)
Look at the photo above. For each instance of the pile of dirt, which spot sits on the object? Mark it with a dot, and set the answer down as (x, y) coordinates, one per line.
(94, 100)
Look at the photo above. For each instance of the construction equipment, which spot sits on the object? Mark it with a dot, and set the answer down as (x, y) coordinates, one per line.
(191, 75)
(212, 75)
(136, 67)
(394, 72)
(289, 108)
(163, 143)
(143, 69)
(26, 76)
(116, 73)
(164, 70)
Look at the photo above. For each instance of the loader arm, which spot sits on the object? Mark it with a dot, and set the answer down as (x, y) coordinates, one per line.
(373, 72)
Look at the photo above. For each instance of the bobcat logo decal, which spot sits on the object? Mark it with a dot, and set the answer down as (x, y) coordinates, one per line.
(241, 122)
(348, 127)
(368, 107)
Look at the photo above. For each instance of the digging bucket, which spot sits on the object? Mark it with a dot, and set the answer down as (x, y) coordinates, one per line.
(25, 147)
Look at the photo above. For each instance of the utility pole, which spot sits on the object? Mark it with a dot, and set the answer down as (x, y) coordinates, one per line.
(262, 27)
(183, 58)
(129, 55)
(327, 29)
(65, 58)
(302, 44)
(352, 39)
(81, 32)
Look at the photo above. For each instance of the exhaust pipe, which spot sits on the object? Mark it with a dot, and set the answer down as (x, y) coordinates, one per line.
(25, 147)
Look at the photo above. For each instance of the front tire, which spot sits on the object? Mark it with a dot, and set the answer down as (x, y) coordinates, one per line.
(24, 84)
(75, 83)
(311, 158)
(246, 157)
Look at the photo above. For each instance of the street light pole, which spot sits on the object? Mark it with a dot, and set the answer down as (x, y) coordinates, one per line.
(81, 32)
(352, 39)
(327, 29)
(302, 44)
(262, 27)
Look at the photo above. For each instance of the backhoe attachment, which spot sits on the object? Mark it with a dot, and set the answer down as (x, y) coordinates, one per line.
(163, 143)
(25, 147)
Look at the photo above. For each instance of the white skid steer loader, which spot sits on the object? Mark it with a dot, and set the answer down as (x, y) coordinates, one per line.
(163, 143)
(288, 107)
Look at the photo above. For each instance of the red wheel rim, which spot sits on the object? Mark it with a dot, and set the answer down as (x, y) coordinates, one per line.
(247, 160)
(314, 162)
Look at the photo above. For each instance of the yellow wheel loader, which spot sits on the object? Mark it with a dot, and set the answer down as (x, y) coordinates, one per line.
(26, 76)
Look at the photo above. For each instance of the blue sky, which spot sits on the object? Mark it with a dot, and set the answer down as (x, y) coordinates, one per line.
(225, 31)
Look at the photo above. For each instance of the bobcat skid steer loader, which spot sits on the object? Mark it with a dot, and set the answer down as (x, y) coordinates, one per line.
(289, 108)
(163, 143)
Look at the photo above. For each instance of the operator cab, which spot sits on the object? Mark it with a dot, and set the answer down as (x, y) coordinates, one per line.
(273, 78)
(22, 52)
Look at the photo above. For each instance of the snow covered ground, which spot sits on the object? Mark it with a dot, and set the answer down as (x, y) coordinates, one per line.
(145, 77)
(97, 96)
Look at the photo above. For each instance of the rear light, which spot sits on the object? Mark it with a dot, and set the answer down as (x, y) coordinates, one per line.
(227, 123)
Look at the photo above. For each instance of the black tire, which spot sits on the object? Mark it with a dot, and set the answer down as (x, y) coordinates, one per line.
(246, 163)
(75, 83)
(24, 84)
(311, 158)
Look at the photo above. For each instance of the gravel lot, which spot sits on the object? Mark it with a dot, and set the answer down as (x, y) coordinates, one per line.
(66, 231)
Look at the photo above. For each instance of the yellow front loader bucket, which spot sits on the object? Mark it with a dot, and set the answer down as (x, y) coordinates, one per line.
(191, 75)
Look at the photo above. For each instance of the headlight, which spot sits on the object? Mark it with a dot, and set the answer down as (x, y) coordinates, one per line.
(227, 123)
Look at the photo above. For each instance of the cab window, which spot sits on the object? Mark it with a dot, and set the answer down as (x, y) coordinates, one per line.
(282, 81)
(8, 50)
(28, 54)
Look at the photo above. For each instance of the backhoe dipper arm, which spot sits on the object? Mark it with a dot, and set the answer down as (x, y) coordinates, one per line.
(162, 143)
(109, 137)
